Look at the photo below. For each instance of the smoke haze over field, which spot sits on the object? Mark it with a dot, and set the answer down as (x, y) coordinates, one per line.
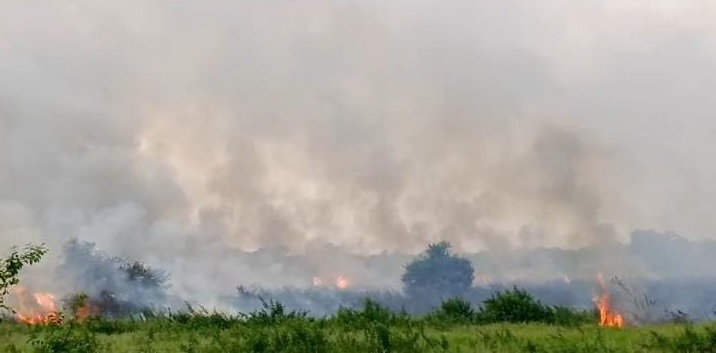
(173, 131)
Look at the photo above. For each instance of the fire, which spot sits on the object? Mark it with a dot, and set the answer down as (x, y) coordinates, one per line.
(342, 282)
(35, 309)
(84, 309)
(41, 308)
(87, 311)
(607, 316)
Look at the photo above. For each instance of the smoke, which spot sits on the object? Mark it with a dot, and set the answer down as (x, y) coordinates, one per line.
(178, 133)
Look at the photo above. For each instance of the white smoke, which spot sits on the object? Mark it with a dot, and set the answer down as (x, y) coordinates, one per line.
(174, 131)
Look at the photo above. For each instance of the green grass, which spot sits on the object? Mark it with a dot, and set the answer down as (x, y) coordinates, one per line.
(509, 322)
(201, 332)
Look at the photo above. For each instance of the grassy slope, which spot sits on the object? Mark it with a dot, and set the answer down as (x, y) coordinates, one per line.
(282, 337)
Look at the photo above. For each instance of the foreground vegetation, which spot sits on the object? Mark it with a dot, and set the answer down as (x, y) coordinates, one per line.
(454, 327)
(509, 321)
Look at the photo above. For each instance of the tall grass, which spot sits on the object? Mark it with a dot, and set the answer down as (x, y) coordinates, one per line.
(511, 322)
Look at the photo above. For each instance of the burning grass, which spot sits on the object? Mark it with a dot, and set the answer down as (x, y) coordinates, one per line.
(43, 309)
(509, 321)
(453, 327)
(34, 308)
(608, 316)
(372, 329)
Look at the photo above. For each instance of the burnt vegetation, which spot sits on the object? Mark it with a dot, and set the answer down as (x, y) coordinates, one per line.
(370, 328)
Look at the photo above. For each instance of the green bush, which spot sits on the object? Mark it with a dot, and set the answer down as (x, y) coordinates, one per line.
(514, 306)
(570, 317)
(453, 311)
(371, 314)
(67, 339)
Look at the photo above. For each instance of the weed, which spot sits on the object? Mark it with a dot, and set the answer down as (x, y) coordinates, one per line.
(689, 340)
(516, 306)
(67, 339)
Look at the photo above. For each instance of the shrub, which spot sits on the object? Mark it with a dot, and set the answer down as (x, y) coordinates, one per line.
(371, 314)
(515, 306)
(67, 339)
(453, 311)
(569, 317)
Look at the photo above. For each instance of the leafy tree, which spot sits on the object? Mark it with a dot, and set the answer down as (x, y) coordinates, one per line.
(438, 274)
(11, 266)
(114, 285)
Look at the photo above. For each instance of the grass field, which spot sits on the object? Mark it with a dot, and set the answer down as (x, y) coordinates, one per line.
(370, 330)
(157, 337)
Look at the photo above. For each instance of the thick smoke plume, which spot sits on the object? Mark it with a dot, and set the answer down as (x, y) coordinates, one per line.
(177, 133)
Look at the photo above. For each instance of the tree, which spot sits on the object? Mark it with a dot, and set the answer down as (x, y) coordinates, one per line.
(144, 275)
(10, 267)
(114, 285)
(437, 274)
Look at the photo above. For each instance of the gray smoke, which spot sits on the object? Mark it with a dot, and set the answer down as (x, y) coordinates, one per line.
(177, 133)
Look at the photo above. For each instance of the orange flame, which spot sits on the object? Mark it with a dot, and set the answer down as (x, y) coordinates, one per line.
(342, 282)
(607, 316)
(35, 309)
(87, 311)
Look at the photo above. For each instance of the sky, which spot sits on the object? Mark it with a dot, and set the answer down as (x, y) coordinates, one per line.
(164, 130)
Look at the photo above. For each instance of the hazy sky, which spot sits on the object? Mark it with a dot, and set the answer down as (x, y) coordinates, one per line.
(370, 124)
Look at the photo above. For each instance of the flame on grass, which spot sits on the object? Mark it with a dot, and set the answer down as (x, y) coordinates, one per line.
(608, 317)
(35, 308)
